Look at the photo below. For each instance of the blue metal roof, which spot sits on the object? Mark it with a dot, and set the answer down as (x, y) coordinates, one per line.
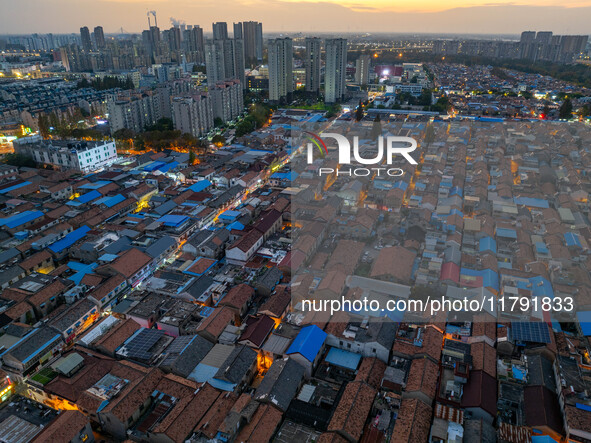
(205, 373)
(344, 359)
(490, 279)
(314, 118)
(308, 342)
(108, 257)
(69, 239)
(584, 318)
(541, 287)
(200, 185)
(20, 219)
(168, 166)
(202, 373)
(507, 233)
(285, 175)
(173, 220)
(229, 214)
(153, 166)
(89, 196)
(583, 407)
(541, 247)
(11, 188)
(456, 190)
(76, 266)
(82, 271)
(487, 244)
(235, 225)
(572, 239)
(491, 119)
(109, 202)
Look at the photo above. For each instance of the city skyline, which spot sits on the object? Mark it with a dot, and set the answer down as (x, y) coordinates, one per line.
(64, 16)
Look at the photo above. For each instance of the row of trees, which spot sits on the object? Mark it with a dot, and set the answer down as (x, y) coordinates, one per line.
(158, 137)
(258, 114)
(19, 160)
(69, 125)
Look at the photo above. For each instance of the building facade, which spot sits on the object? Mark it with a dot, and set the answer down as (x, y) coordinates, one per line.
(312, 64)
(134, 111)
(71, 154)
(193, 114)
(227, 100)
(280, 69)
(362, 70)
(336, 64)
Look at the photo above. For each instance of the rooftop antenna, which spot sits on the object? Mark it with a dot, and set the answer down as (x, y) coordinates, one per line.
(149, 24)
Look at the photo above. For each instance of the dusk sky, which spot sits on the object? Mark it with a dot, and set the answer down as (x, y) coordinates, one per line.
(425, 16)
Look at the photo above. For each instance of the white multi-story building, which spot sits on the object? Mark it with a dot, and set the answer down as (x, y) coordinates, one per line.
(362, 70)
(280, 69)
(312, 64)
(134, 110)
(227, 100)
(335, 69)
(214, 61)
(224, 60)
(193, 114)
(83, 156)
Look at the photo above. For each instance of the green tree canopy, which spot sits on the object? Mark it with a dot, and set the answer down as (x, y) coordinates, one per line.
(566, 109)
(20, 160)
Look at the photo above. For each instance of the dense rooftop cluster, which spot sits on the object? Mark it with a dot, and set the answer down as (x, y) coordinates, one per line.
(493, 211)
(496, 92)
(159, 300)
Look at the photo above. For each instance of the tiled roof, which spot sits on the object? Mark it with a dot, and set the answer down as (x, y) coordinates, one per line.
(238, 296)
(262, 425)
(130, 262)
(371, 371)
(352, 410)
(484, 357)
(422, 376)
(480, 392)
(66, 427)
(413, 422)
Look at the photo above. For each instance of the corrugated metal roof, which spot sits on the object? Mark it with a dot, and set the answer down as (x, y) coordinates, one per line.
(65, 365)
(20, 219)
(342, 358)
(69, 239)
(89, 196)
(308, 342)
